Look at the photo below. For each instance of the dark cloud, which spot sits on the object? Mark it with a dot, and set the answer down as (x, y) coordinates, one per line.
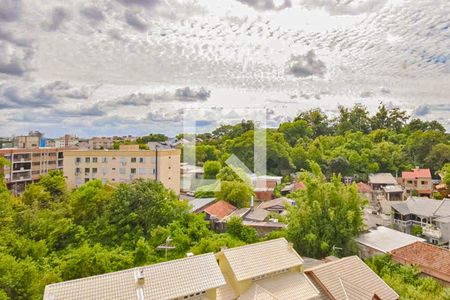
(58, 17)
(93, 13)
(14, 60)
(135, 21)
(10, 10)
(89, 111)
(39, 97)
(421, 110)
(187, 94)
(349, 7)
(306, 65)
(145, 3)
(266, 4)
(8, 36)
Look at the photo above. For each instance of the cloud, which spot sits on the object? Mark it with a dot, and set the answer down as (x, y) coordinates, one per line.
(145, 3)
(8, 36)
(421, 110)
(348, 7)
(306, 65)
(46, 96)
(93, 13)
(186, 94)
(82, 111)
(10, 10)
(161, 115)
(14, 60)
(267, 4)
(58, 16)
(135, 21)
(366, 94)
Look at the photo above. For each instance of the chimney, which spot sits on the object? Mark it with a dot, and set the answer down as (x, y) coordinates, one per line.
(139, 276)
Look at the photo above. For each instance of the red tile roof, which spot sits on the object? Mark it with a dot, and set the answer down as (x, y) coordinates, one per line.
(299, 186)
(364, 188)
(220, 209)
(431, 260)
(417, 173)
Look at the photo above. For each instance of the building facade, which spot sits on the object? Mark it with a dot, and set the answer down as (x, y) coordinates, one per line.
(101, 143)
(28, 165)
(123, 165)
(418, 180)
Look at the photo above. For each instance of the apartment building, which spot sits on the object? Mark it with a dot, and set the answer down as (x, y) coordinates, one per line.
(101, 143)
(123, 165)
(66, 141)
(28, 165)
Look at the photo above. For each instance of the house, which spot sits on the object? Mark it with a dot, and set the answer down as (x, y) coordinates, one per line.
(264, 186)
(218, 213)
(350, 279)
(418, 180)
(277, 205)
(365, 191)
(186, 278)
(383, 240)
(431, 260)
(265, 270)
(199, 204)
(293, 187)
(432, 216)
(393, 192)
(379, 180)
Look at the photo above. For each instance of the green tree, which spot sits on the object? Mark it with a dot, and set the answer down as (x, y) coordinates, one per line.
(293, 131)
(211, 168)
(205, 153)
(236, 192)
(55, 184)
(438, 156)
(317, 120)
(237, 229)
(36, 194)
(354, 119)
(327, 214)
(445, 171)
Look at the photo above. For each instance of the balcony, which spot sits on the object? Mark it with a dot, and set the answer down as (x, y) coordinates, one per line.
(432, 231)
(21, 176)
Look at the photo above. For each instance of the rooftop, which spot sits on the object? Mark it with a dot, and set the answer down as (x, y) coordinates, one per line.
(416, 173)
(198, 203)
(363, 187)
(423, 206)
(431, 259)
(393, 189)
(385, 239)
(220, 209)
(350, 278)
(276, 202)
(257, 214)
(258, 259)
(382, 178)
(168, 280)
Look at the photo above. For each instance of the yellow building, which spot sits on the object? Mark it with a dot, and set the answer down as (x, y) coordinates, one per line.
(123, 165)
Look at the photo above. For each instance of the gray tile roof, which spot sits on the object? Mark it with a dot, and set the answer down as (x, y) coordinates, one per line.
(257, 214)
(199, 203)
(382, 178)
(385, 239)
(168, 280)
(261, 258)
(350, 276)
(423, 206)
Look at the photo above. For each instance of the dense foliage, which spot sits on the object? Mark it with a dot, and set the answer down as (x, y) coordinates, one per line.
(406, 280)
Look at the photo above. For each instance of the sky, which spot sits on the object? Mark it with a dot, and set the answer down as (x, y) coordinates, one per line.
(119, 67)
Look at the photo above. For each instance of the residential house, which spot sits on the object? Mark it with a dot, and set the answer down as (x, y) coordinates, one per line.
(99, 143)
(66, 141)
(34, 139)
(418, 180)
(218, 213)
(379, 180)
(350, 279)
(433, 216)
(197, 277)
(123, 165)
(292, 187)
(393, 192)
(365, 191)
(264, 186)
(199, 204)
(431, 260)
(383, 240)
(277, 205)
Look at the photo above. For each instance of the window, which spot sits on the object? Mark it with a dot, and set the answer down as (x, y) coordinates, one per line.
(410, 182)
(113, 169)
(141, 160)
(77, 160)
(133, 159)
(133, 170)
(87, 159)
(94, 170)
(94, 159)
(122, 171)
(104, 160)
(114, 158)
(424, 182)
(153, 171)
(77, 171)
(87, 170)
